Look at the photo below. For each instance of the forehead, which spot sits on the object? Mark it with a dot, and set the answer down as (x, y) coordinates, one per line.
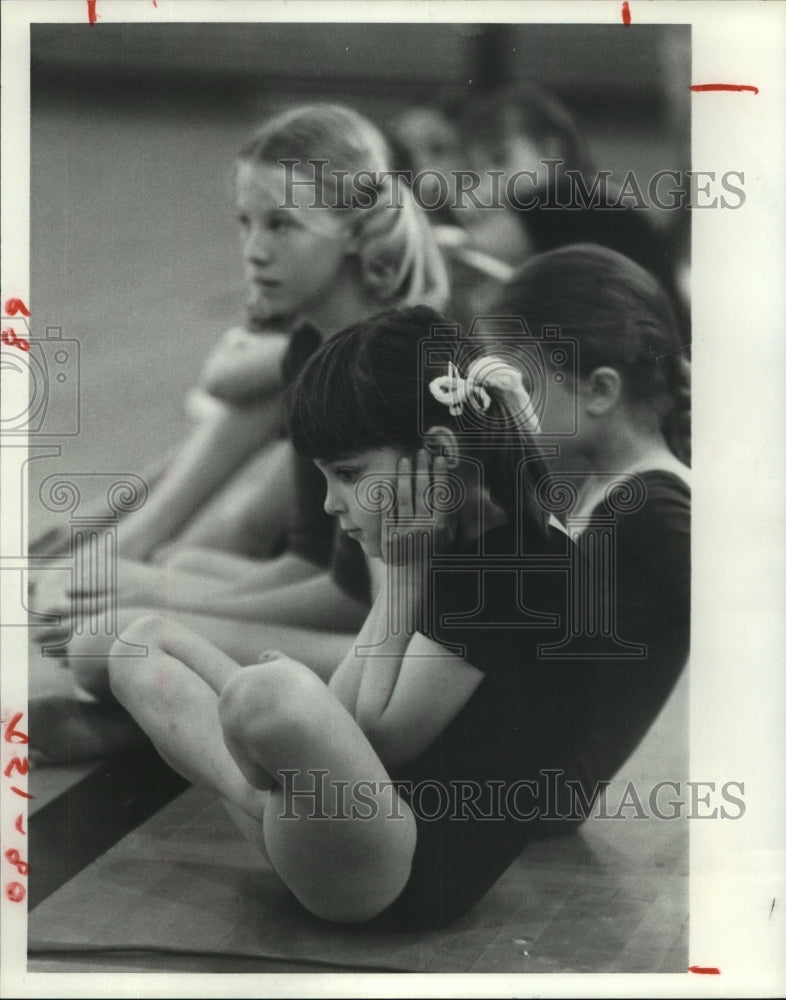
(379, 458)
(326, 464)
(268, 186)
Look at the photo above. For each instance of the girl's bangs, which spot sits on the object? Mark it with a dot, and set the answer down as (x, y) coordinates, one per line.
(327, 418)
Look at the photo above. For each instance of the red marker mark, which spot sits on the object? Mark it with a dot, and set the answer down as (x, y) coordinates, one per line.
(13, 735)
(20, 764)
(15, 859)
(625, 12)
(9, 337)
(704, 970)
(15, 891)
(24, 795)
(14, 306)
(18, 825)
(699, 87)
(92, 16)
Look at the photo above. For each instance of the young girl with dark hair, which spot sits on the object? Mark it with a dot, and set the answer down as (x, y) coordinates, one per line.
(399, 792)
(622, 417)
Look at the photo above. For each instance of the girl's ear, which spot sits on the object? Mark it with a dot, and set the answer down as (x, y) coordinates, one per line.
(439, 440)
(603, 390)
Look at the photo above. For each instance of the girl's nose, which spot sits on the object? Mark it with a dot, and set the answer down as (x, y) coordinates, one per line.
(257, 246)
(333, 503)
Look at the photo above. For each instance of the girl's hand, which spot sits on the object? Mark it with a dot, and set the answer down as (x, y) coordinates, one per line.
(419, 525)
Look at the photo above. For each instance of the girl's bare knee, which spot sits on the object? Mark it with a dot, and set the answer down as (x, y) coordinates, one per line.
(124, 673)
(339, 877)
(147, 628)
(268, 699)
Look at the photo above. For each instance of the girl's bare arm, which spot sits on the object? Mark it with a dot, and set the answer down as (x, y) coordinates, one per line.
(245, 367)
(403, 689)
(213, 451)
(408, 687)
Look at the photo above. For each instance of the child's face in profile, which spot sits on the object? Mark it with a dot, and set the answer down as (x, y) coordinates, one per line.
(361, 489)
(293, 256)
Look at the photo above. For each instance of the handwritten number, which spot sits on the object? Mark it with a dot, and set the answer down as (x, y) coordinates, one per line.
(24, 795)
(20, 764)
(10, 338)
(14, 306)
(15, 858)
(14, 735)
(15, 891)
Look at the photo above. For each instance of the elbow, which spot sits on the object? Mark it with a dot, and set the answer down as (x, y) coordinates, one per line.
(243, 386)
(223, 386)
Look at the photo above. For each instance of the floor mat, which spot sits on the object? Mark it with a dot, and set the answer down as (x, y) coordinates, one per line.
(115, 795)
(184, 883)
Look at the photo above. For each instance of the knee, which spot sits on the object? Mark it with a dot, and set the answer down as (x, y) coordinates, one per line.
(145, 628)
(127, 676)
(269, 701)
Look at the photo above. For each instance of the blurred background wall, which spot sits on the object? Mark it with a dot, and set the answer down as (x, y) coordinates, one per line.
(133, 134)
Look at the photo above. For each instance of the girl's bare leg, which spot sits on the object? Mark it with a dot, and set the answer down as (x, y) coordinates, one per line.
(89, 655)
(228, 572)
(213, 451)
(220, 566)
(173, 694)
(334, 829)
(332, 826)
(251, 514)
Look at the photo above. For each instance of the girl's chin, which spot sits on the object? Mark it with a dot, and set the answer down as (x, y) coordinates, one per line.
(372, 551)
(261, 309)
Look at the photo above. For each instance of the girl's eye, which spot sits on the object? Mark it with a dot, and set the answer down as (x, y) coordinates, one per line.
(280, 222)
(243, 221)
(347, 475)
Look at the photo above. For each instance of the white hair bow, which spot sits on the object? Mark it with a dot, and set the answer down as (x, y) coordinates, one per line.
(483, 374)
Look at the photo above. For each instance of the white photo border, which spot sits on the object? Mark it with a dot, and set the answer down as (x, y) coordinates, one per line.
(737, 685)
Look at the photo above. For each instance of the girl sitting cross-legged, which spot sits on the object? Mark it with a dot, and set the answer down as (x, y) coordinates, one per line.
(398, 792)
